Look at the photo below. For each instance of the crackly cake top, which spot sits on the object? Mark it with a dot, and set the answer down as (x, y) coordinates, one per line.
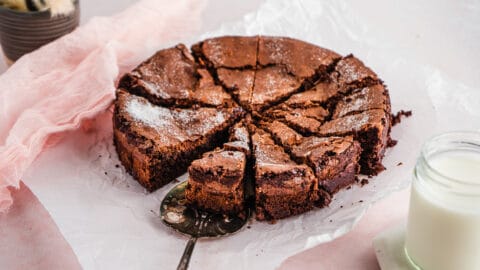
(367, 98)
(272, 84)
(351, 70)
(356, 122)
(301, 59)
(322, 145)
(171, 76)
(168, 126)
(273, 167)
(318, 94)
(307, 94)
(228, 51)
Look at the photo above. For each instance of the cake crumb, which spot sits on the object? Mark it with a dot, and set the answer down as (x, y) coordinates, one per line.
(397, 118)
(364, 181)
(391, 142)
(361, 201)
(341, 206)
(106, 173)
(248, 227)
(400, 163)
(349, 187)
(117, 165)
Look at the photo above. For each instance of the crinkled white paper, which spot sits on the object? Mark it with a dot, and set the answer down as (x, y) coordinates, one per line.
(112, 223)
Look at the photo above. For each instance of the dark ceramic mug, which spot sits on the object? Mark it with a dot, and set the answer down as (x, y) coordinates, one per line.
(23, 32)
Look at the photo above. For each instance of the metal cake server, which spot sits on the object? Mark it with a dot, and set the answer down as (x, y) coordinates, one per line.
(196, 223)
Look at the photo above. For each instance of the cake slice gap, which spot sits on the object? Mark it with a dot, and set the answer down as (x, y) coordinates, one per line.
(239, 139)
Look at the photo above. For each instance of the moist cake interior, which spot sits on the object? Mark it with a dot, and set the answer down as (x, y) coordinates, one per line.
(271, 121)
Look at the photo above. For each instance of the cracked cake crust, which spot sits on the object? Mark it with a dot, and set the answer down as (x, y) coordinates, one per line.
(300, 120)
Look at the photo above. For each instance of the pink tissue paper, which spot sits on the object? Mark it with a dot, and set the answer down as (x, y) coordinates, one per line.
(55, 88)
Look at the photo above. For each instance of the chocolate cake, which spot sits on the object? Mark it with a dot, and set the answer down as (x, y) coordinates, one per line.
(216, 181)
(334, 160)
(282, 187)
(295, 122)
(157, 144)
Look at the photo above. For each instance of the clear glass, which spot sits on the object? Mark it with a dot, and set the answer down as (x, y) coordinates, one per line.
(443, 230)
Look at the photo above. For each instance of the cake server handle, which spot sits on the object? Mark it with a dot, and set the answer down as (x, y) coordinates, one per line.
(187, 253)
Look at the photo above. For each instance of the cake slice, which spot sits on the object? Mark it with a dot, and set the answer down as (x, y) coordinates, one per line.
(157, 144)
(228, 52)
(282, 187)
(319, 94)
(334, 160)
(305, 120)
(171, 77)
(216, 182)
(271, 85)
(350, 73)
(364, 99)
(371, 128)
(301, 59)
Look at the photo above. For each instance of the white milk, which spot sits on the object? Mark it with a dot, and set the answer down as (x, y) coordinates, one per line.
(443, 231)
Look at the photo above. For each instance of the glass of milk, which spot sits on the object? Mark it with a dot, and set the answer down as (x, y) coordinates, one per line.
(443, 230)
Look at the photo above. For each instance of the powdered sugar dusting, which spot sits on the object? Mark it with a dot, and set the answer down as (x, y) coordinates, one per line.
(174, 125)
(271, 84)
(199, 122)
(357, 104)
(215, 50)
(356, 121)
(157, 117)
(351, 69)
(277, 50)
(241, 134)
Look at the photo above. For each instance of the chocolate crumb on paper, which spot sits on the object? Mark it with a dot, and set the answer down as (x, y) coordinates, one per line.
(397, 118)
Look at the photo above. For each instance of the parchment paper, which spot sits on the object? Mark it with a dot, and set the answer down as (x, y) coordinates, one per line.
(112, 223)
